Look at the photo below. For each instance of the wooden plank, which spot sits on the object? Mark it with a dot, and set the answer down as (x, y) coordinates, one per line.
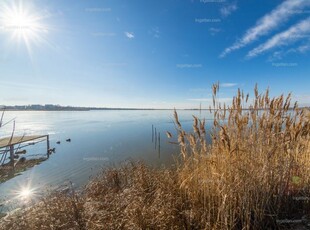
(6, 142)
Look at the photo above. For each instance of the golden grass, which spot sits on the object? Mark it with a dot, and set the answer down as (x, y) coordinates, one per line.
(255, 171)
(257, 163)
(134, 197)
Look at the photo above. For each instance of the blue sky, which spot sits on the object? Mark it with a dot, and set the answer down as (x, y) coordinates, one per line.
(154, 54)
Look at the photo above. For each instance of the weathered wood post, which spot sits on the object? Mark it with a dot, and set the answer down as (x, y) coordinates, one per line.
(155, 138)
(159, 145)
(12, 156)
(152, 133)
(48, 145)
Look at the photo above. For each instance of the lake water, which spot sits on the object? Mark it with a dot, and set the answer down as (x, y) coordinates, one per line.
(98, 139)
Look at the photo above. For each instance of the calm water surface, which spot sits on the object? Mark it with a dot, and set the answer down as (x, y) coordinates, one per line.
(99, 139)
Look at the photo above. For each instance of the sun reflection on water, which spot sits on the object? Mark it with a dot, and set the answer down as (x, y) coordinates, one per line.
(25, 193)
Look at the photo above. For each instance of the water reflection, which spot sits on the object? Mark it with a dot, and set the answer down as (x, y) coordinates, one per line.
(99, 139)
(21, 194)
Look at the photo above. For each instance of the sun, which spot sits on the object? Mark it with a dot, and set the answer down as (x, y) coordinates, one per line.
(22, 23)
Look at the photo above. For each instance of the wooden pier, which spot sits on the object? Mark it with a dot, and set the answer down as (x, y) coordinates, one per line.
(10, 142)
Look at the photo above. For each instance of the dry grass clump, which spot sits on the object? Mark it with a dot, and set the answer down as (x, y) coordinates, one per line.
(60, 210)
(256, 167)
(135, 197)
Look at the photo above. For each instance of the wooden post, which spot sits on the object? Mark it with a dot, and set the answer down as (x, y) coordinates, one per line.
(155, 138)
(48, 145)
(159, 145)
(152, 133)
(12, 156)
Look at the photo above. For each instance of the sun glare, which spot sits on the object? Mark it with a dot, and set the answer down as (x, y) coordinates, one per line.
(25, 193)
(22, 23)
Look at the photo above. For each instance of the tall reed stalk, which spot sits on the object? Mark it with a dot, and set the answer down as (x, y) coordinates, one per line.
(256, 165)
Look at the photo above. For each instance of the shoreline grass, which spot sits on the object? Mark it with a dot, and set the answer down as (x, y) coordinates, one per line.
(255, 174)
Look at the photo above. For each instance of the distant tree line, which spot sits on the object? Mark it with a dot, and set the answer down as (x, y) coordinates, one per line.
(51, 107)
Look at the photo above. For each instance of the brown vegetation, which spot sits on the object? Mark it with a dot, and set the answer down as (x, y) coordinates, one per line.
(255, 168)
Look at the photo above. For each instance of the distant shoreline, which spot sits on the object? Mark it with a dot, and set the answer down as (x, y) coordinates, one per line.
(60, 108)
(81, 110)
(116, 109)
(72, 108)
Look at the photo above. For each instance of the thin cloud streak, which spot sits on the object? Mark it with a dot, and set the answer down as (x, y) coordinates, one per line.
(228, 85)
(268, 23)
(293, 34)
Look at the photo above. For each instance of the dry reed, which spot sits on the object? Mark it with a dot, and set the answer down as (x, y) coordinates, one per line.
(256, 167)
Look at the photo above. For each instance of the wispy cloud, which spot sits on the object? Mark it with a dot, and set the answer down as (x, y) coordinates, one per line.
(280, 54)
(228, 9)
(277, 55)
(302, 48)
(294, 33)
(213, 31)
(155, 32)
(228, 85)
(268, 23)
(129, 35)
